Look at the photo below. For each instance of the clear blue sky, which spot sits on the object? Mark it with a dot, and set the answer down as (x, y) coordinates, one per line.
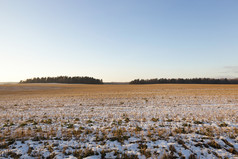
(118, 40)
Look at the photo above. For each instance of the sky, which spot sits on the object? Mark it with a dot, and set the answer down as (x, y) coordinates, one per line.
(118, 40)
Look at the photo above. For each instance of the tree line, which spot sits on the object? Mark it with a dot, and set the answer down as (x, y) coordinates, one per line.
(185, 81)
(64, 79)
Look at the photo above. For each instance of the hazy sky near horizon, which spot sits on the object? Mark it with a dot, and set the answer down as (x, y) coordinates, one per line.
(118, 40)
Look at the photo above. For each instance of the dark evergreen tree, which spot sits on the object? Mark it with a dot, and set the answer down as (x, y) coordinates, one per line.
(64, 79)
(185, 81)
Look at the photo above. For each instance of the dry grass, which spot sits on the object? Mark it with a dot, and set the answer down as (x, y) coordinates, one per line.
(78, 89)
(182, 115)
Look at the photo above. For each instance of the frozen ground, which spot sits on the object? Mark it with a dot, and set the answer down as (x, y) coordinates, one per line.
(135, 122)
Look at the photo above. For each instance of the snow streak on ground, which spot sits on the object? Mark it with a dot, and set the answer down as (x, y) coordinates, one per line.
(150, 123)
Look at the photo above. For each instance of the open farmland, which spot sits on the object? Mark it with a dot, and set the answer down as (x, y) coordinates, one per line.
(118, 121)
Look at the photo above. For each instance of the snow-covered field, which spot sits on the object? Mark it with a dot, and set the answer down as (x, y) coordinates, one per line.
(123, 121)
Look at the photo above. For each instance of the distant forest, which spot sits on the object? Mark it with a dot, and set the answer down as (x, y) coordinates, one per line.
(185, 81)
(64, 79)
